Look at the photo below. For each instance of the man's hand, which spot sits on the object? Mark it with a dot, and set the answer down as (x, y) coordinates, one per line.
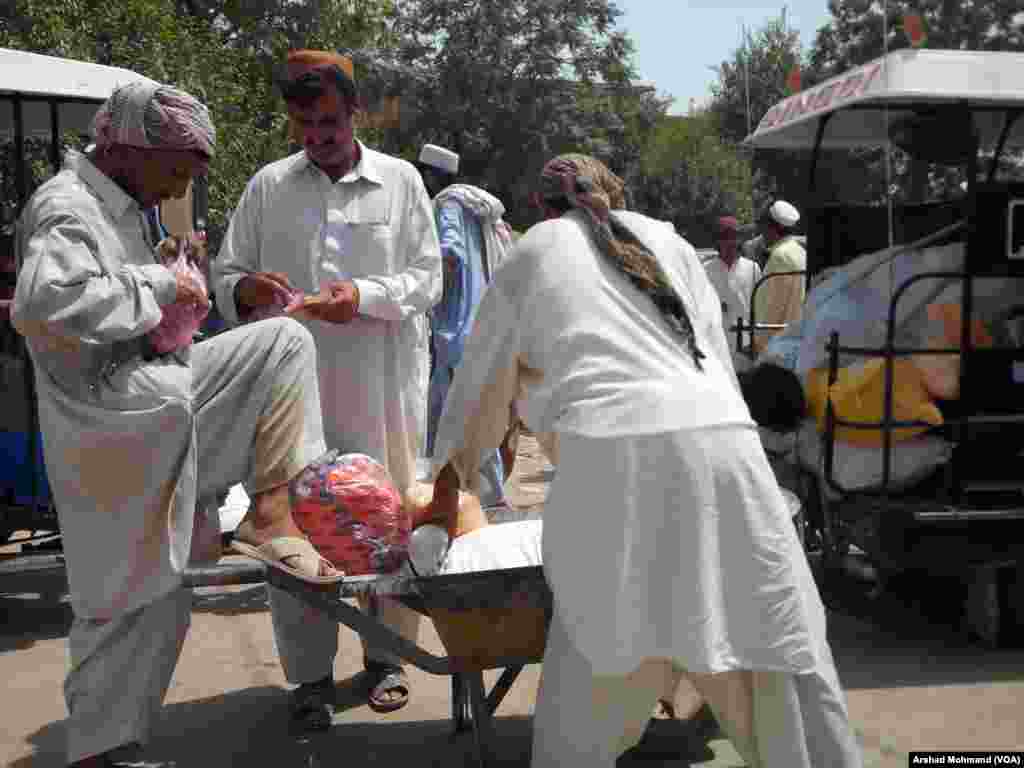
(190, 291)
(337, 303)
(262, 289)
(444, 508)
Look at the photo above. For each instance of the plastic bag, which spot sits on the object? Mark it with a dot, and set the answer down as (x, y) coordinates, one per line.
(352, 512)
(178, 326)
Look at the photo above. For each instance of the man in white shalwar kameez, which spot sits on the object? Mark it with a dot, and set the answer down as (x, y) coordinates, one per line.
(356, 227)
(733, 278)
(134, 440)
(667, 542)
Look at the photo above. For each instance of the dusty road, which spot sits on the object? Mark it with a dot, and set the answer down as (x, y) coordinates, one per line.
(913, 682)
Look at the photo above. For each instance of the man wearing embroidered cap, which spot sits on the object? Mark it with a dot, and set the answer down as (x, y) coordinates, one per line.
(473, 238)
(780, 300)
(353, 228)
(136, 441)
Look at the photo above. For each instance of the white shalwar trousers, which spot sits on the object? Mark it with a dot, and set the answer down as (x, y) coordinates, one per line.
(108, 707)
(773, 719)
(254, 397)
(307, 640)
(692, 563)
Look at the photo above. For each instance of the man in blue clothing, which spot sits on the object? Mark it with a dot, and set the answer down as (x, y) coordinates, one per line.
(474, 239)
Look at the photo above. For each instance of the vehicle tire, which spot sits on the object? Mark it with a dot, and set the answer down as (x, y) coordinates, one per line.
(983, 609)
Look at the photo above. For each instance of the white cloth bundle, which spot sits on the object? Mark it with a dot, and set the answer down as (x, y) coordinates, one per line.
(487, 208)
(490, 548)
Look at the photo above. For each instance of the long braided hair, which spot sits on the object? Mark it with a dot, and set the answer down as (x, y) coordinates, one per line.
(584, 182)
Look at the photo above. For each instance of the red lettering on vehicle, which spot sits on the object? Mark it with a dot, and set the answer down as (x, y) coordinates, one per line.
(871, 75)
(771, 118)
(825, 96)
(850, 86)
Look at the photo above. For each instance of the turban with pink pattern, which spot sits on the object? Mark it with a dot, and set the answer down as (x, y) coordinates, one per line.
(148, 115)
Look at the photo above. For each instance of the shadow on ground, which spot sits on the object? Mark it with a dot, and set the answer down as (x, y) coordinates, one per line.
(230, 601)
(250, 728)
(33, 607)
(912, 635)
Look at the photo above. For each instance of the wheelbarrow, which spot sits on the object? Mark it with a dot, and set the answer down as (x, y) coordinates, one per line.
(486, 620)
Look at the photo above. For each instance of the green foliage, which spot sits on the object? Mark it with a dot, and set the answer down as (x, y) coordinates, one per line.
(749, 83)
(754, 78)
(855, 33)
(506, 83)
(223, 53)
(689, 175)
(509, 83)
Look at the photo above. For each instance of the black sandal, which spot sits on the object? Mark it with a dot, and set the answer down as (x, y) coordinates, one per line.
(383, 679)
(313, 705)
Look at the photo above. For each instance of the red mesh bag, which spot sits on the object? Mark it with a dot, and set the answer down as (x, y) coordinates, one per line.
(349, 507)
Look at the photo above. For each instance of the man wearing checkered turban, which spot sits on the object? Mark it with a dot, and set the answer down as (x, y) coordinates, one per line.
(138, 442)
(602, 324)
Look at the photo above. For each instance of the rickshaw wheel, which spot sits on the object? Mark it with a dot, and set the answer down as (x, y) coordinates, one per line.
(992, 607)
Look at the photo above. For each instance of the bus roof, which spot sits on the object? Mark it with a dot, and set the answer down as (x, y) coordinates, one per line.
(982, 79)
(33, 74)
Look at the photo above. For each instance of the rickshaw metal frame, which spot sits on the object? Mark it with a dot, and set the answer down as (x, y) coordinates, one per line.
(839, 529)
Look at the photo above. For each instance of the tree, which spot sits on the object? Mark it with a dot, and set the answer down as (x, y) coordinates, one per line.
(754, 78)
(689, 175)
(855, 33)
(223, 53)
(509, 83)
(749, 83)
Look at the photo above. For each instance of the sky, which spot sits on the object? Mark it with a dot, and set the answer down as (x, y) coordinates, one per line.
(679, 42)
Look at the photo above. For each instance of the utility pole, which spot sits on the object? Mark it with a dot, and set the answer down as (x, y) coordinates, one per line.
(745, 54)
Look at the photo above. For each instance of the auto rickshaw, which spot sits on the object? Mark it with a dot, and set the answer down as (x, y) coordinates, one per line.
(919, 152)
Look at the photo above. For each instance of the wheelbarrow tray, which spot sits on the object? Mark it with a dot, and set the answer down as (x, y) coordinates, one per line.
(485, 619)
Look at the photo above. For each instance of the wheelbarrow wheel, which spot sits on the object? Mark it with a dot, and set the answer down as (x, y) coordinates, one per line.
(462, 712)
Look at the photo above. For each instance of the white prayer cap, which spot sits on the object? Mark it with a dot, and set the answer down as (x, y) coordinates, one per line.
(440, 158)
(784, 213)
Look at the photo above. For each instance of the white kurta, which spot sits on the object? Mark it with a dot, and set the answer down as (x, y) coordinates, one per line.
(376, 226)
(735, 286)
(670, 570)
(666, 536)
(133, 444)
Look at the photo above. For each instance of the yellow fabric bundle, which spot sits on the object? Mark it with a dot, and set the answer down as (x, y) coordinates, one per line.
(858, 395)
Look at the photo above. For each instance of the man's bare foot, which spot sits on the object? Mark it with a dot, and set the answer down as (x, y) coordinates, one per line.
(269, 517)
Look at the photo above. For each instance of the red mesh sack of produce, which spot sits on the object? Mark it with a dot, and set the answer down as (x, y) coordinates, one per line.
(349, 507)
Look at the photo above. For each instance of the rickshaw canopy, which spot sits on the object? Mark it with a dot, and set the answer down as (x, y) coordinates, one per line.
(33, 74)
(77, 86)
(864, 103)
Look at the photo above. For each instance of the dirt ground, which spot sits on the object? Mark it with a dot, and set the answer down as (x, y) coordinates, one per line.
(528, 486)
(912, 683)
